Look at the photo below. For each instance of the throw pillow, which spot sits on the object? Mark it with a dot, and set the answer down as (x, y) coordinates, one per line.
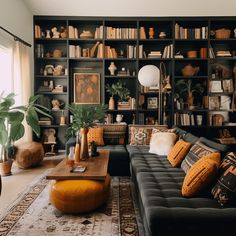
(162, 142)
(178, 153)
(140, 135)
(224, 191)
(114, 133)
(197, 151)
(201, 174)
(96, 135)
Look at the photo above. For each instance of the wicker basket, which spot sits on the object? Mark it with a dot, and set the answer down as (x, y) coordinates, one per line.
(222, 33)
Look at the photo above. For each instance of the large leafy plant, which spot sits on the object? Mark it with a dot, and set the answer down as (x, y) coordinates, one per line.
(11, 121)
(84, 116)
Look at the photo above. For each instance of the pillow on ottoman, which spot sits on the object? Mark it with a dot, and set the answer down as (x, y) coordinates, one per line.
(161, 143)
(224, 191)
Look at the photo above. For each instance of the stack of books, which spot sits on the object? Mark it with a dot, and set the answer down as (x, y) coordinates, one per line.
(155, 54)
(223, 54)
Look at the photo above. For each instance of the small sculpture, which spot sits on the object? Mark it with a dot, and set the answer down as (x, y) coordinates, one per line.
(94, 152)
(112, 68)
(151, 33)
(55, 33)
(56, 104)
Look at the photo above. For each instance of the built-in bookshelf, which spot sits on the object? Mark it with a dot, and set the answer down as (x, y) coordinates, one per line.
(65, 46)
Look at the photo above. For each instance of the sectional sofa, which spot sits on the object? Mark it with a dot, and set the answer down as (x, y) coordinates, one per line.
(163, 209)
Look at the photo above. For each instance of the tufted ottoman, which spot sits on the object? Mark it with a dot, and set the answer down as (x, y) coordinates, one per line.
(29, 154)
(77, 196)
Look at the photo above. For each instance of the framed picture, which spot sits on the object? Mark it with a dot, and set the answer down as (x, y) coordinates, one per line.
(214, 103)
(87, 88)
(152, 103)
(215, 86)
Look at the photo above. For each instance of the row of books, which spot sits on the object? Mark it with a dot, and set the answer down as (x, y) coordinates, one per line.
(121, 33)
(184, 119)
(191, 33)
(76, 51)
(111, 52)
(74, 32)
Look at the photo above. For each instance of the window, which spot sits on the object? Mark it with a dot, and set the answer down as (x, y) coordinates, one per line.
(6, 69)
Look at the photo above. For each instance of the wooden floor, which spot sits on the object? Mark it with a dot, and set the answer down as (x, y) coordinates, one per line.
(15, 184)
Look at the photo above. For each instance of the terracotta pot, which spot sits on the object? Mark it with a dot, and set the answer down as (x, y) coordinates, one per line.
(189, 70)
(5, 167)
(84, 154)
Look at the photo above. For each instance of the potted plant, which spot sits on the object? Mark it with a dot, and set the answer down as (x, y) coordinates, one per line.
(84, 117)
(118, 89)
(12, 128)
(187, 89)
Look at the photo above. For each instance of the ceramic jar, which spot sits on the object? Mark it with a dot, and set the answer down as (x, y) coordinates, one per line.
(119, 118)
(112, 68)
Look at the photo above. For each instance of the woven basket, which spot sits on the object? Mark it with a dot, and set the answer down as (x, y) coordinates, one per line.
(222, 33)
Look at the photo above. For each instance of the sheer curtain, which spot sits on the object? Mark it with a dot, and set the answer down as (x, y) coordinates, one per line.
(21, 80)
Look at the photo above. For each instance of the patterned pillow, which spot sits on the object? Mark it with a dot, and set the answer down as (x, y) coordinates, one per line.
(178, 153)
(201, 174)
(140, 135)
(197, 151)
(114, 133)
(161, 143)
(224, 191)
(96, 134)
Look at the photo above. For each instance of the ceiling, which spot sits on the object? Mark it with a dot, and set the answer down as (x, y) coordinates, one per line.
(131, 7)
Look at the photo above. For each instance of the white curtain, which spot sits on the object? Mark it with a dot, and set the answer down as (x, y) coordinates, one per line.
(22, 82)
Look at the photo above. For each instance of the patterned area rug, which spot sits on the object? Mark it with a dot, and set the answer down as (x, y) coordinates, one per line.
(33, 215)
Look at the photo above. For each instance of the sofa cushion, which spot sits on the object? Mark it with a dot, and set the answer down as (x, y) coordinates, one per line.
(134, 150)
(151, 163)
(167, 212)
(201, 174)
(96, 135)
(178, 152)
(224, 190)
(162, 142)
(197, 151)
(223, 149)
(188, 137)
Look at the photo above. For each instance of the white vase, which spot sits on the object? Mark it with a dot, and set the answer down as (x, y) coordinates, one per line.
(119, 118)
(112, 68)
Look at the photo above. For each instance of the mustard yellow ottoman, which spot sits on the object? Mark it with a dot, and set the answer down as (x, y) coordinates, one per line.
(77, 196)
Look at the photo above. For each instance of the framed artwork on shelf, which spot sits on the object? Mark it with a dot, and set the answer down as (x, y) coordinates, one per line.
(87, 88)
(215, 86)
(214, 103)
(152, 103)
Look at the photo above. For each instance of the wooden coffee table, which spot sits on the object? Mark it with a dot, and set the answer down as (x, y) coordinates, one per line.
(96, 169)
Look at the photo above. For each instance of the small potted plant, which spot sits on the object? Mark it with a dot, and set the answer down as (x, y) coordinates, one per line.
(84, 117)
(118, 89)
(12, 128)
(186, 89)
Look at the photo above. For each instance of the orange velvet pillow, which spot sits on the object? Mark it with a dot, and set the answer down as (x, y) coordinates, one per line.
(178, 153)
(96, 135)
(201, 174)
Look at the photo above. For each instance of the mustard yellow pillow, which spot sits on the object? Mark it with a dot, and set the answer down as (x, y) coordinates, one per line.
(96, 135)
(201, 174)
(178, 153)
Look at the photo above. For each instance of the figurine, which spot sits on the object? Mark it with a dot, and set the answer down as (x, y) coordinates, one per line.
(94, 152)
(56, 34)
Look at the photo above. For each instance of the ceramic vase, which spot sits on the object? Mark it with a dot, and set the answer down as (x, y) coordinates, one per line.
(112, 68)
(111, 105)
(84, 154)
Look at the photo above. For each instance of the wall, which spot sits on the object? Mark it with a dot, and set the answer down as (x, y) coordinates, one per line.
(134, 7)
(17, 18)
